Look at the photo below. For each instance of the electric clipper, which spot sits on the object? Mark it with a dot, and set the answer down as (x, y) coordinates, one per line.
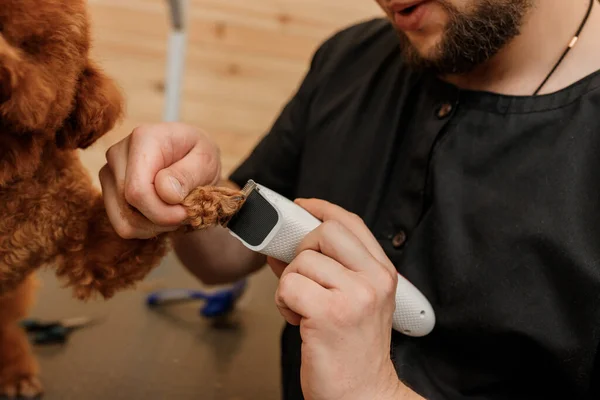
(273, 225)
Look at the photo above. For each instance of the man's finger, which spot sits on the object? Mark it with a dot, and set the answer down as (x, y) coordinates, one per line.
(326, 211)
(126, 222)
(277, 266)
(110, 192)
(199, 167)
(147, 156)
(334, 240)
(301, 295)
(291, 317)
(321, 269)
(116, 158)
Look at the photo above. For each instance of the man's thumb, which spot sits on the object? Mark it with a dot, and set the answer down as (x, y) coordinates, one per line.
(175, 182)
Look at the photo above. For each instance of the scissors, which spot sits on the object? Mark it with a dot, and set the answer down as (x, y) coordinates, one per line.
(53, 332)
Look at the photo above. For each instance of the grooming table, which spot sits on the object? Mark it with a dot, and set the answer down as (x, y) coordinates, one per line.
(138, 353)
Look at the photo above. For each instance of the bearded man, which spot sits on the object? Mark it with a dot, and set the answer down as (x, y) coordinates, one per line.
(457, 143)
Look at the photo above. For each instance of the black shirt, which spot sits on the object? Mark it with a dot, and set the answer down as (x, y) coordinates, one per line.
(487, 203)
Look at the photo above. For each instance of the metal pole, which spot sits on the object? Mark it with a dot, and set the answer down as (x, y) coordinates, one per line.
(175, 59)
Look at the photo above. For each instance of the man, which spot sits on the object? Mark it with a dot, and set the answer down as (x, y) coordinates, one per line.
(470, 154)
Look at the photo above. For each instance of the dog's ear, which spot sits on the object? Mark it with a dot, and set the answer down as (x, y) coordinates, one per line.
(97, 108)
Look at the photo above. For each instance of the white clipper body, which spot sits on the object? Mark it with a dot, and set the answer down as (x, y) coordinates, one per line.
(274, 226)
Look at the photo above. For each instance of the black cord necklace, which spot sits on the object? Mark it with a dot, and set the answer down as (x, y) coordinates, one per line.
(569, 47)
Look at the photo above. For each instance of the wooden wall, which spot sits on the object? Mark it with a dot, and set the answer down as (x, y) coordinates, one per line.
(244, 59)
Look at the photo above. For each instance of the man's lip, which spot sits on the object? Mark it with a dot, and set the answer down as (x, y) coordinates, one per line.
(401, 6)
(412, 20)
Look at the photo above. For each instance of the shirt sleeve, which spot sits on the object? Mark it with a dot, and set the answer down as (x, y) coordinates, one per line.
(274, 162)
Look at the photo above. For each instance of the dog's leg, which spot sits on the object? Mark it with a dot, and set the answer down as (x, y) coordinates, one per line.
(98, 261)
(18, 367)
(94, 259)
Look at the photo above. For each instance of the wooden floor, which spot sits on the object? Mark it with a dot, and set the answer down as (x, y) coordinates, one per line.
(244, 59)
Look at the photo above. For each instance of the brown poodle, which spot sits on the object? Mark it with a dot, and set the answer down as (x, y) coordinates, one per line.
(54, 101)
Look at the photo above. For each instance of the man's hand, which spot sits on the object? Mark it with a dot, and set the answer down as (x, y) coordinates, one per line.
(150, 172)
(340, 290)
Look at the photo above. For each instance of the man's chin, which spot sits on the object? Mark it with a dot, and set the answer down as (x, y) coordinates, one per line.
(417, 57)
(433, 59)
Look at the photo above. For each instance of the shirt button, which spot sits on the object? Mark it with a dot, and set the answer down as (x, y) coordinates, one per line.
(399, 239)
(444, 110)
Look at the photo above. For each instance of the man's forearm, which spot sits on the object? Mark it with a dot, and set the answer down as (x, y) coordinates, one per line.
(215, 257)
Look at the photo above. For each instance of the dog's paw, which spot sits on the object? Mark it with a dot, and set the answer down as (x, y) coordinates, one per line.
(25, 387)
(19, 369)
(208, 206)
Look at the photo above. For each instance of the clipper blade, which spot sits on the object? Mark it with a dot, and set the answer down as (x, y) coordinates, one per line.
(248, 188)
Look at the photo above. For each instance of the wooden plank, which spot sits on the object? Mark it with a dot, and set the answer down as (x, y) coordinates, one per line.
(244, 60)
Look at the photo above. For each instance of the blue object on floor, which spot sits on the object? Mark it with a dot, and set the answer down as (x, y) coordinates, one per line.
(216, 303)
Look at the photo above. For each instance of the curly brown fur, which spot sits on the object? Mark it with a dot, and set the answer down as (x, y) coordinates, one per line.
(97, 108)
(58, 219)
(53, 101)
(43, 49)
(208, 206)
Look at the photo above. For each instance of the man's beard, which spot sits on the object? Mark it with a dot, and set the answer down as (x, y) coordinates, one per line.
(470, 38)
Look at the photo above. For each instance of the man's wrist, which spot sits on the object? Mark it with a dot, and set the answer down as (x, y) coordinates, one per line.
(403, 392)
(397, 390)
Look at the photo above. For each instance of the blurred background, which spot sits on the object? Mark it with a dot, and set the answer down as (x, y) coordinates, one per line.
(243, 59)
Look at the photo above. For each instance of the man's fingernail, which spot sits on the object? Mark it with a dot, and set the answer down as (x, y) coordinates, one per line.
(177, 186)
